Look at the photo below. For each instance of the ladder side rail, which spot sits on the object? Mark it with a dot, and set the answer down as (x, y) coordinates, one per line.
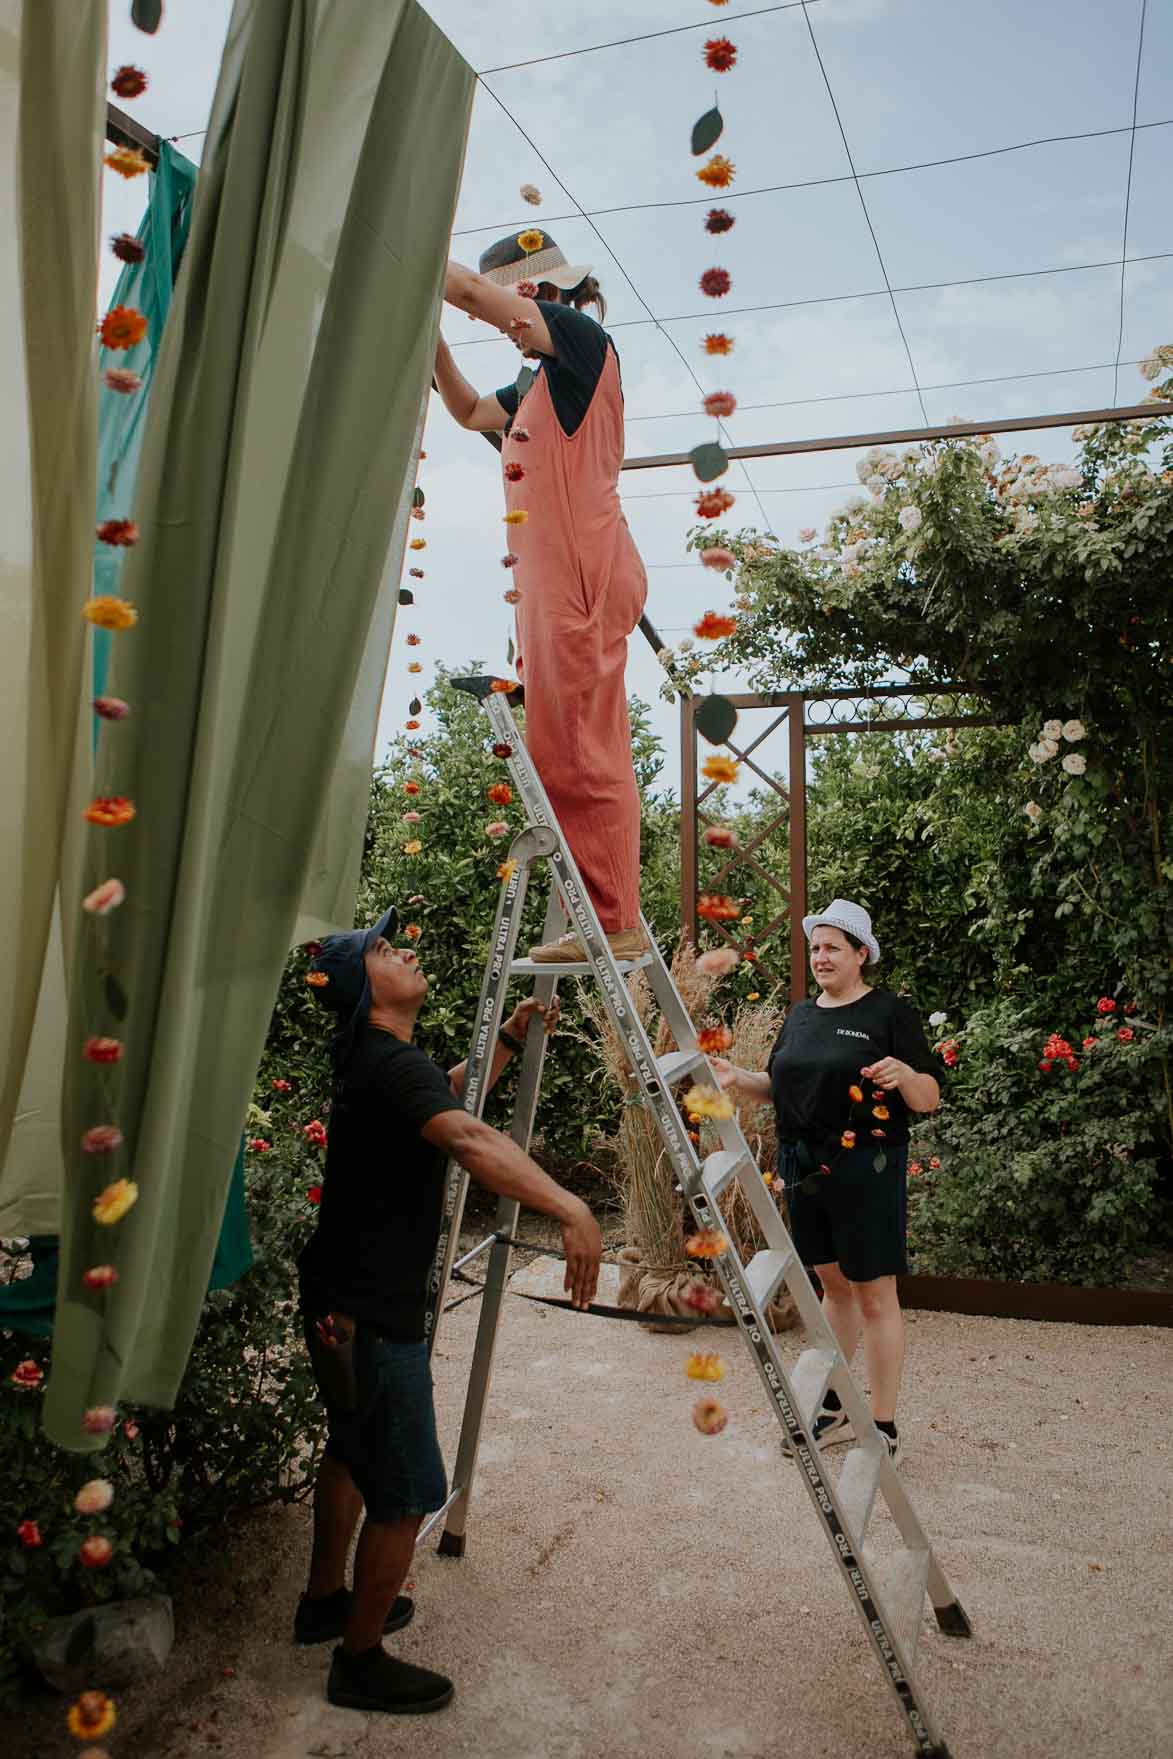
(529, 844)
(820, 1488)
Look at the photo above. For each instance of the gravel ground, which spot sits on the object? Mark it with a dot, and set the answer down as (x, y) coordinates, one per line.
(633, 1588)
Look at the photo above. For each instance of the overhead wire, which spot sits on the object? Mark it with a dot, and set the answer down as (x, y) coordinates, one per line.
(1128, 200)
(677, 30)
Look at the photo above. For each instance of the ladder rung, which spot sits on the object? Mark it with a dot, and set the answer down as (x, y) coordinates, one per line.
(572, 967)
(812, 1371)
(677, 1064)
(721, 1168)
(857, 1488)
(764, 1272)
(899, 1583)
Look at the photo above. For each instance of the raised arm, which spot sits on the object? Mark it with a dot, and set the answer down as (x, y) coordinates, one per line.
(519, 319)
(496, 1162)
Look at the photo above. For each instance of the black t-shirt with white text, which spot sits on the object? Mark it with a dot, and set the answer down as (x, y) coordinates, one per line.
(572, 371)
(382, 1191)
(817, 1058)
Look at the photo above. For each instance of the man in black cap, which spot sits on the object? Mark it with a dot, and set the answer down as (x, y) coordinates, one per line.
(396, 1118)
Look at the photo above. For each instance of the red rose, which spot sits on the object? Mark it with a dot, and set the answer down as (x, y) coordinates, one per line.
(280, 1085)
(1106, 1005)
(1072, 1063)
(95, 1552)
(315, 1133)
(27, 1374)
(29, 1535)
(314, 1195)
(1126, 1035)
(1046, 1063)
(258, 1145)
(934, 1164)
(1130, 1007)
(1089, 1044)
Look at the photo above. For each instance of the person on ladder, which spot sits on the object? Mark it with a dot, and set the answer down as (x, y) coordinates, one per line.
(846, 1072)
(572, 559)
(396, 1117)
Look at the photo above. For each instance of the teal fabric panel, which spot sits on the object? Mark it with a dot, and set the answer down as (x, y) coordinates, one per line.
(148, 287)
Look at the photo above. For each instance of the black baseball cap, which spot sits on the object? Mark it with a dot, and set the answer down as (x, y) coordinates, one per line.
(347, 991)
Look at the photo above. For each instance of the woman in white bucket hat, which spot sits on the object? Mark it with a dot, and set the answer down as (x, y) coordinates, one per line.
(575, 574)
(847, 1070)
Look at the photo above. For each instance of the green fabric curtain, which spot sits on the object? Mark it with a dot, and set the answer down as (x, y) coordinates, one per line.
(52, 109)
(273, 499)
(147, 286)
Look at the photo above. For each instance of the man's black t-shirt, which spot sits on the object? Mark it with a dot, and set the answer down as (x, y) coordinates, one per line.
(817, 1058)
(383, 1189)
(573, 372)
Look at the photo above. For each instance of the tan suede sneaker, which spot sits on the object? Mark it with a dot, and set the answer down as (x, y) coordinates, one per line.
(625, 943)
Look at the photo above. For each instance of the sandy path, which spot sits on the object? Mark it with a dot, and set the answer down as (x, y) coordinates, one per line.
(632, 1588)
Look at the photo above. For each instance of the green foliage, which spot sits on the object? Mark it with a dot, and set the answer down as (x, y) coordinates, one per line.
(1046, 1173)
(245, 1430)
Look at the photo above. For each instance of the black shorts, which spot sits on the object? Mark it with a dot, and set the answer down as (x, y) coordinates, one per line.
(382, 1421)
(855, 1216)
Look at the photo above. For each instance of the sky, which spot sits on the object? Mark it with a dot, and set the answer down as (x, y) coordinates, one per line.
(818, 93)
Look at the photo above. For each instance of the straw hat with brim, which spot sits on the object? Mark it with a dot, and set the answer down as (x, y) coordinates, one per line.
(508, 261)
(347, 990)
(851, 918)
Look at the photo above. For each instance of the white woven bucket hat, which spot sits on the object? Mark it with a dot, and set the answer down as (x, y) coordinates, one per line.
(851, 918)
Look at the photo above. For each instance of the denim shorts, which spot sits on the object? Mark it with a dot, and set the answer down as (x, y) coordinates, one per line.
(855, 1216)
(382, 1421)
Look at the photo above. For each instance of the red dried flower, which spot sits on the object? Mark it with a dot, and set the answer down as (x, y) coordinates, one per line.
(700, 1297)
(99, 1276)
(111, 708)
(416, 573)
(280, 1085)
(512, 597)
(1045, 1064)
(103, 1050)
(720, 403)
(716, 907)
(502, 749)
(127, 248)
(527, 289)
(129, 82)
(720, 54)
(715, 282)
(510, 561)
(712, 502)
(412, 640)
(501, 794)
(112, 809)
(710, 1416)
(122, 533)
(721, 837)
(514, 471)
(719, 220)
(714, 1040)
(411, 787)
(314, 1195)
(29, 1534)
(412, 726)
(102, 1139)
(520, 434)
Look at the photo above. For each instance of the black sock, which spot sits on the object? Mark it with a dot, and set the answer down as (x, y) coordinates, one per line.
(327, 1599)
(831, 1400)
(887, 1427)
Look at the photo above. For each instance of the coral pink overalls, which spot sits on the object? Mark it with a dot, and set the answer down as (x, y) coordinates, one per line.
(583, 588)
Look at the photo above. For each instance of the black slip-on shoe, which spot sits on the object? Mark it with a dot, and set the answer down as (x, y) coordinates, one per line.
(378, 1681)
(323, 1621)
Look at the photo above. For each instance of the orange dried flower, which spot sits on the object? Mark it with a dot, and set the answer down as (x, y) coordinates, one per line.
(413, 931)
(714, 1040)
(506, 871)
(716, 907)
(516, 516)
(881, 1112)
(418, 543)
(411, 726)
(720, 403)
(500, 793)
(91, 1716)
(704, 1365)
(720, 54)
(107, 611)
(127, 161)
(847, 1140)
(316, 979)
(718, 173)
(717, 343)
(414, 666)
(707, 1243)
(503, 686)
(714, 627)
(112, 1203)
(711, 502)
(720, 769)
(411, 787)
(110, 809)
(122, 327)
(511, 596)
(413, 847)
(412, 640)
(855, 1093)
(710, 1416)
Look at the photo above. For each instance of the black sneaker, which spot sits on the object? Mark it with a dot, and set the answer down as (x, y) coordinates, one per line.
(323, 1621)
(378, 1681)
(830, 1428)
(895, 1454)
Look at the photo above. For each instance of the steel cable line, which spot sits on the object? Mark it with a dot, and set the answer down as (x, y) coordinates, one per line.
(1127, 200)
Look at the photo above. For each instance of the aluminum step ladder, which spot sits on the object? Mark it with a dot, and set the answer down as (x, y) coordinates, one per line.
(890, 1590)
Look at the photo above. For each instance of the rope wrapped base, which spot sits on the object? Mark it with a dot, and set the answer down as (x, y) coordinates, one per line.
(659, 1288)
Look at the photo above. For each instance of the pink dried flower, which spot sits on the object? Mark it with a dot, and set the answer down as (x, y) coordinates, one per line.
(122, 380)
(718, 558)
(102, 1139)
(718, 962)
(104, 898)
(99, 1419)
(111, 708)
(720, 403)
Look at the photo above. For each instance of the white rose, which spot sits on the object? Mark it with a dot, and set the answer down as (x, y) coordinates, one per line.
(1033, 811)
(1043, 751)
(1065, 477)
(684, 643)
(875, 487)
(1073, 730)
(1050, 747)
(952, 748)
(855, 505)
(852, 570)
(910, 456)
(1082, 432)
(910, 518)
(1052, 730)
(1150, 368)
(938, 1019)
(864, 467)
(1164, 354)
(1075, 763)
(807, 535)
(989, 454)
(932, 464)
(849, 552)
(824, 554)
(1026, 521)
